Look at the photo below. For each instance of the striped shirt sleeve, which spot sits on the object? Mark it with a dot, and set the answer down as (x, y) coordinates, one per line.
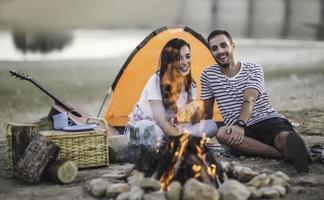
(256, 80)
(206, 90)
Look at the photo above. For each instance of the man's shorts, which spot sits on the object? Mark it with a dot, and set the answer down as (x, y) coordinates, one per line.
(265, 131)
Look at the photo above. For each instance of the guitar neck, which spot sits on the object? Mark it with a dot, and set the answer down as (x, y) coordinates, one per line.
(56, 100)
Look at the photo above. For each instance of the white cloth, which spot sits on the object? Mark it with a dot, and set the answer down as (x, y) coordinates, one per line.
(152, 91)
(204, 127)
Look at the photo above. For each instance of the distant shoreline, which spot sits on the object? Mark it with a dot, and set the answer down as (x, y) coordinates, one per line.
(114, 44)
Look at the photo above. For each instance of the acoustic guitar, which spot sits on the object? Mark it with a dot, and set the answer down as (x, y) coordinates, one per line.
(76, 115)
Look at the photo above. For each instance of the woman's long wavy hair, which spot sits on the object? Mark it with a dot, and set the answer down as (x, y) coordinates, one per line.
(170, 78)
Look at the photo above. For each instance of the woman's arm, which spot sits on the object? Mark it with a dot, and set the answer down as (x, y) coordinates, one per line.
(161, 118)
(190, 113)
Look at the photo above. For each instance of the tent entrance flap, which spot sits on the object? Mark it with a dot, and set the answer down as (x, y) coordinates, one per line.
(143, 63)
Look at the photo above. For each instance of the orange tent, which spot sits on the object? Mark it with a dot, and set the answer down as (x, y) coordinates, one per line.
(143, 62)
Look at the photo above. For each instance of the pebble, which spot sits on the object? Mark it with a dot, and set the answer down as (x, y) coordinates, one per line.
(174, 191)
(234, 190)
(114, 190)
(259, 181)
(269, 192)
(98, 187)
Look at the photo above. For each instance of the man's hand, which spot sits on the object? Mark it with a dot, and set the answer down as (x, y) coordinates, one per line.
(236, 135)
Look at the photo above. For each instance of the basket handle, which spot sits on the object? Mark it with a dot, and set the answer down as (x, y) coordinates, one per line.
(98, 121)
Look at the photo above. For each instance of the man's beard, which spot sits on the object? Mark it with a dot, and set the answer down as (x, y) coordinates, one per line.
(224, 65)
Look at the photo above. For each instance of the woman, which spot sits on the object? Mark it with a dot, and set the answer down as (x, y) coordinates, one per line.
(167, 105)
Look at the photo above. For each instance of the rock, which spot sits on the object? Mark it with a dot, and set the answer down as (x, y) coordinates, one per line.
(193, 188)
(98, 187)
(269, 192)
(265, 171)
(150, 184)
(174, 191)
(123, 196)
(282, 175)
(246, 174)
(158, 195)
(276, 181)
(261, 180)
(135, 178)
(136, 193)
(118, 146)
(255, 193)
(235, 170)
(282, 190)
(234, 190)
(225, 165)
(114, 190)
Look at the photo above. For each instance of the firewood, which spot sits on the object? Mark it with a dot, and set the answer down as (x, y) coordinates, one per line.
(36, 157)
(21, 136)
(212, 158)
(61, 171)
(203, 176)
(182, 158)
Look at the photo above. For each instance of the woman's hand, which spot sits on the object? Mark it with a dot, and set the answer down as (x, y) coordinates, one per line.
(187, 111)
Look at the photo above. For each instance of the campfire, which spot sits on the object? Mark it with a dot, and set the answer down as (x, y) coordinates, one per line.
(181, 158)
(185, 167)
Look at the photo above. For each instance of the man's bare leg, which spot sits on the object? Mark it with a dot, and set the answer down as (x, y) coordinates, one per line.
(250, 146)
(294, 149)
(280, 142)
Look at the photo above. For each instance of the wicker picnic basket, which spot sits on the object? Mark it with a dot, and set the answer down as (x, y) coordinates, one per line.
(87, 148)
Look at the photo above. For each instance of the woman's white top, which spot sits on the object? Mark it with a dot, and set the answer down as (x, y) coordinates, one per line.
(152, 91)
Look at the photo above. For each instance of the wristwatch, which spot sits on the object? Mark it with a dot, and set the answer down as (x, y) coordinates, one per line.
(240, 123)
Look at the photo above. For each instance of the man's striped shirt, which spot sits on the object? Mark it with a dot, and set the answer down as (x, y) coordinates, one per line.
(228, 92)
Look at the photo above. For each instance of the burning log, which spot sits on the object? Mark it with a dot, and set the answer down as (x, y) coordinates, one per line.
(38, 154)
(62, 171)
(182, 158)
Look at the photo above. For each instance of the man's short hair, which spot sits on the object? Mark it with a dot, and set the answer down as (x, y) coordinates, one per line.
(219, 32)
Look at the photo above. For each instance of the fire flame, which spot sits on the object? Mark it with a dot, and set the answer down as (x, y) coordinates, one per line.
(211, 170)
(200, 169)
(167, 177)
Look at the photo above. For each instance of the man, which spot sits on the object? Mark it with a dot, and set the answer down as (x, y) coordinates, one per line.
(252, 126)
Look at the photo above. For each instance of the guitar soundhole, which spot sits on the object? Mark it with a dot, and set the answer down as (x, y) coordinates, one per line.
(76, 114)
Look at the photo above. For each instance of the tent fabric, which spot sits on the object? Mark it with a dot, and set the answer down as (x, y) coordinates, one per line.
(143, 62)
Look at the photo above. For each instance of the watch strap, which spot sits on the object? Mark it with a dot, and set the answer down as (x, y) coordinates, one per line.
(240, 123)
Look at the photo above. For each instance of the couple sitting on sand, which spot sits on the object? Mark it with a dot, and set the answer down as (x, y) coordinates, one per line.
(169, 104)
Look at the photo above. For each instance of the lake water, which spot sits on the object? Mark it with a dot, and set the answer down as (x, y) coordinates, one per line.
(86, 44)
(118, 44)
